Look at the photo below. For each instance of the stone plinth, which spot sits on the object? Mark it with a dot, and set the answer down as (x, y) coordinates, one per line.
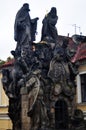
(24, 104)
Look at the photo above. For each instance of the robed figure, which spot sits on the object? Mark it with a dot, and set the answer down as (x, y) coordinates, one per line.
(49, 29)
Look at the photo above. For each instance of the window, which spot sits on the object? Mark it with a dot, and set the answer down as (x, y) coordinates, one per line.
(81, 87)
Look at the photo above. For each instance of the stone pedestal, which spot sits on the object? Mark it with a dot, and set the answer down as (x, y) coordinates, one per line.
(24, 109)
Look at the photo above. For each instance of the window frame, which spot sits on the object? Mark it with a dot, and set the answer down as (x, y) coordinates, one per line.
(79, 93)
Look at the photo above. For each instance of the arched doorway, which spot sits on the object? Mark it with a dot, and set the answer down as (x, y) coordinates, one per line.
(61, 115)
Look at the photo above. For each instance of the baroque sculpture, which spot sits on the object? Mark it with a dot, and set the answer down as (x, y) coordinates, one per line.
(49, 29)
(41, 84)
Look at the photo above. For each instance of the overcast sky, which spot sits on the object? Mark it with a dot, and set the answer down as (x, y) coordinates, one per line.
(69, 12)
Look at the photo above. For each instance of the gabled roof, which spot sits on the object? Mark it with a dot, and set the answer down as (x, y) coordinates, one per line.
(8, 63)
(80, 52)
(79, 45)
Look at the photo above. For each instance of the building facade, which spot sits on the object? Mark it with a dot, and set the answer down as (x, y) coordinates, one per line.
(5, 122)
(80, 57)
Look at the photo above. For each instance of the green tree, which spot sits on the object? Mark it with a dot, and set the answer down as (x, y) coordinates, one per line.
(1, 62)
(8, 59)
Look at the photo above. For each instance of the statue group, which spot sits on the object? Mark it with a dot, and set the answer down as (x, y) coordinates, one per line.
(45, 73)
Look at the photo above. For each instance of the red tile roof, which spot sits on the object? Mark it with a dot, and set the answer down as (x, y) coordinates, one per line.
(9, 63)
(80, 52)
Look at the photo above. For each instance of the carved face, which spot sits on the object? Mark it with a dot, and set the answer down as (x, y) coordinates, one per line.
(53, 12)
(26, 6)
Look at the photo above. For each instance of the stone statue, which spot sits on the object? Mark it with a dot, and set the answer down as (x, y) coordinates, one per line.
(78, 120)
(24, 24)
(14, 109)
(36, 110)
(41, 84)
(49, 30)
(24, 27)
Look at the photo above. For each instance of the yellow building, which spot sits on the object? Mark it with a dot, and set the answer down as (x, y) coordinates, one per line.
(80, 57)
(81, 89)
(5, 122)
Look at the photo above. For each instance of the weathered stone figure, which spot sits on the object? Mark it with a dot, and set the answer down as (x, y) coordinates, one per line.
(24, 27)
(41, 85)
(24, 24)
(36, 109)
(49, 30)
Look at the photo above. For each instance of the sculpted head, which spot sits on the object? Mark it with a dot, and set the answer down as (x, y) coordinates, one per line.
(26, 6)
(53, 11)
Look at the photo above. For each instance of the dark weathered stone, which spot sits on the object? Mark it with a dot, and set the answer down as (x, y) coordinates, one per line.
(41, 85)
(49, 30)
(25, 119)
